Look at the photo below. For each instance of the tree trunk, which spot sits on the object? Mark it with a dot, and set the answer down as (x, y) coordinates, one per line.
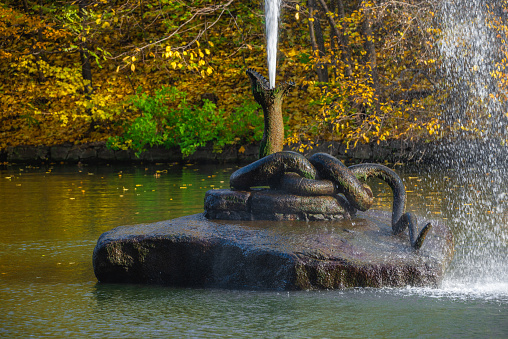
(343, 40)
(25, 6)
(371, 50)
(86, 66)
(38, 57)
(37, 51)
(317, 41)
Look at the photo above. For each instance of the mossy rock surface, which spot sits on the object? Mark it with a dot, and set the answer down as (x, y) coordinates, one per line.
(194, 251)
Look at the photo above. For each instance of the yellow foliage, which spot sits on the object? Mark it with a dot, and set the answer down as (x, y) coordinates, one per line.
(45, 101)
(351, 108)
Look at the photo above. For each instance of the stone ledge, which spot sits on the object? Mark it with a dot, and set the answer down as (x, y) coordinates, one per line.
(192, 251)
(393, 151)
(267, 204)
(97, 152)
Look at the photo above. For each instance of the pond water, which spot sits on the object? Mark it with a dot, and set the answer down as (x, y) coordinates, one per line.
(52, 216)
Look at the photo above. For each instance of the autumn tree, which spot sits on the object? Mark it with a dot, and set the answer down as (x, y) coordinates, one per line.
(381, 60)
(78, 61)
(76, 71)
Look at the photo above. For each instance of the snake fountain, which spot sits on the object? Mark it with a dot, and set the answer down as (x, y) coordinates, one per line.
(295, 174)
(287, 223)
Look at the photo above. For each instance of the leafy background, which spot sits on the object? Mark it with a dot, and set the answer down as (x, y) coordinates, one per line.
(159, 72)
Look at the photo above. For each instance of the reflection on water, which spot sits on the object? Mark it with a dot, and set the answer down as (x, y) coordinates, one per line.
(52, 217)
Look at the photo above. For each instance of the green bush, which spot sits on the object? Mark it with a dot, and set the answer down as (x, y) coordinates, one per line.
(168, 119)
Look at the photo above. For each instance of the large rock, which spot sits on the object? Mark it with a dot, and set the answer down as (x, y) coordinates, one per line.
(193, 251)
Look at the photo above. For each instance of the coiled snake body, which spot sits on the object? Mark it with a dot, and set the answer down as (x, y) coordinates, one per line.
(323, 174)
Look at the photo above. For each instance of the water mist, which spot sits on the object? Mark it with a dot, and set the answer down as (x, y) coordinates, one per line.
(478, 199)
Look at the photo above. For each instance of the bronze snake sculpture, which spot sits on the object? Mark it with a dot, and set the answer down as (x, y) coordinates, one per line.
(323, 174)
(270, 100)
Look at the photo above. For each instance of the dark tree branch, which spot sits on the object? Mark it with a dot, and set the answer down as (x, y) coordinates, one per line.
(340, 35)
(317, 41)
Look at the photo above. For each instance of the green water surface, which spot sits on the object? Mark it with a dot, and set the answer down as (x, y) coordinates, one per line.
(52, 216)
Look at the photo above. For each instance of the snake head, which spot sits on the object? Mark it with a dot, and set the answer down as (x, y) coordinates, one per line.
(261, 88)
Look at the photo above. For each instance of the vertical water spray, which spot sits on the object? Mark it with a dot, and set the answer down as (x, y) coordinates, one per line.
(470, 54)
(272, 13)
(476, 114)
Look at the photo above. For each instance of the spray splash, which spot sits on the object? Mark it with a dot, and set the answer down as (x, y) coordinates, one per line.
(272, 13)
(471, 53)
(476, 151)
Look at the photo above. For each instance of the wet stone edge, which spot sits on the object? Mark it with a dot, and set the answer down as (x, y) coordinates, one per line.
(97, 152)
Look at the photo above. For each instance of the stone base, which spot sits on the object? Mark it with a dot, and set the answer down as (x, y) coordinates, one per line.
(266, 204)
(193, 251)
